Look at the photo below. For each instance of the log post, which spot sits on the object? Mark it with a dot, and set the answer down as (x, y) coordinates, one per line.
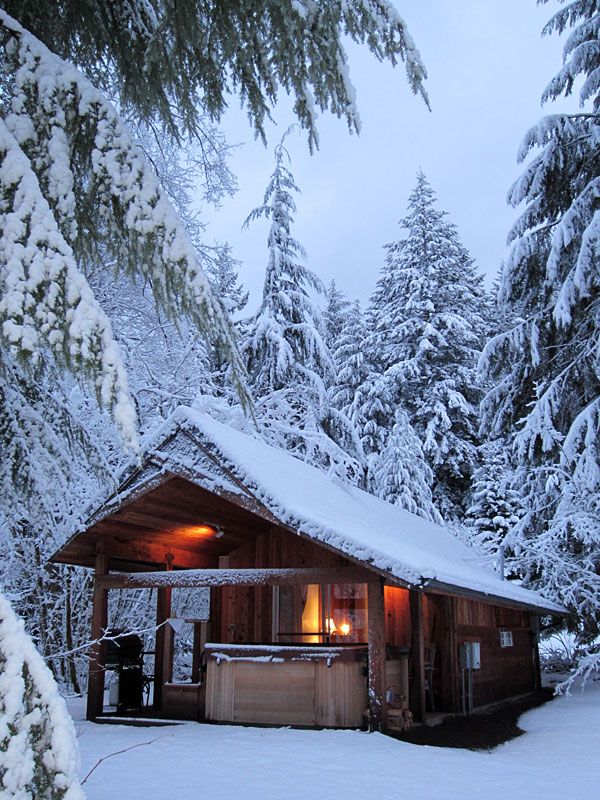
(417, 654)
(163, 612)
(200, 639)
(377, 684)
(97, 666)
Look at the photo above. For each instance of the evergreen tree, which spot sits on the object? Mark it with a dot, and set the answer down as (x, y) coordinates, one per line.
(334, 315)
(285, 346)
(546, 371)
(350, 362)
(400, 473)
(222, 272)
(38, 747)
(425, 336)
(495, 503)
(289, 364)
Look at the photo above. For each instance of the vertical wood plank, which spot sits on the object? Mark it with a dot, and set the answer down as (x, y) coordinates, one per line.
(417, 655)
(449, 658)
(95, 696)
(377, 687)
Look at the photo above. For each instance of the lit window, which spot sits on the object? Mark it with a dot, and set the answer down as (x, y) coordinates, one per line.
(506, 639)
(320, 613)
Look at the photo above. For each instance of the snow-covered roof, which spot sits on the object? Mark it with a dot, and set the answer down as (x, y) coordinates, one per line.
(411, 549)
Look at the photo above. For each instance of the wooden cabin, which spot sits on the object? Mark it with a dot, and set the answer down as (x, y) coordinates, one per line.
(328, 607)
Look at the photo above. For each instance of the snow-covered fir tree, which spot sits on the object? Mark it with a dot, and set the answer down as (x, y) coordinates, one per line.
(425, 337)
(546, 369)
(400, 473)
(289, 364)
(39, 759)
(349, 359)
(334, 315)
(495, 502)
(495, 505)
(222, 272)
(285, 343)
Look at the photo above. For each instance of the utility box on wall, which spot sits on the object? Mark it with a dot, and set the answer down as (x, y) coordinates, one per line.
(470, 655)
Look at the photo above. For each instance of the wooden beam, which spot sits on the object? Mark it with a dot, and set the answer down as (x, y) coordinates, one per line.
(377, 682)
(417, 654)
(235, 577)
(97, 666)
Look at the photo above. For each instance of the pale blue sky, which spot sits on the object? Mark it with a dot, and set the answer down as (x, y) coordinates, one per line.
(488, 66)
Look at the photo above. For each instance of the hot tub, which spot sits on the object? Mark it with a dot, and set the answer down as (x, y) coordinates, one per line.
(315, 686)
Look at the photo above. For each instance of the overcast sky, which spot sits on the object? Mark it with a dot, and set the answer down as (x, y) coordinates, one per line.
(487, 65)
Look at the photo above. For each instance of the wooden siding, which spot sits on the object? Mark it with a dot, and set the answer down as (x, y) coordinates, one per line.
(183, 701)
(505, 671)
(397, 617)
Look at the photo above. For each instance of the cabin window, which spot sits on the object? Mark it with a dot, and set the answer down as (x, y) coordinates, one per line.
(314, 614)
(506, 639)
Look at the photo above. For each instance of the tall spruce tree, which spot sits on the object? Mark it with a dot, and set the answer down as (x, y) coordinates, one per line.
(425, 338)
(285, 344)
(334, 316)
(289, 364)
(351, 367)
(546, 368)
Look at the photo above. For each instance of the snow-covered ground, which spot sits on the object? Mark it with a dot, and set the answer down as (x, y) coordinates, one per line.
(557, 758)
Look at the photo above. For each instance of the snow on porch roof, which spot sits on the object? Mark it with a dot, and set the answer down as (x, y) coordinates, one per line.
(409, 548)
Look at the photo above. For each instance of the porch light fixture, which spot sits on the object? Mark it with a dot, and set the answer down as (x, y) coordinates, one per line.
(344, 629)
(205, 530)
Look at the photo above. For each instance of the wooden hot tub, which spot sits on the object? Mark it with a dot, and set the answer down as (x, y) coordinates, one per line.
(318, 686)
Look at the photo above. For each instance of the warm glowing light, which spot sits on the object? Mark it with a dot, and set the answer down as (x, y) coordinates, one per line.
(331, 628)
(201, 530)
(344, 629)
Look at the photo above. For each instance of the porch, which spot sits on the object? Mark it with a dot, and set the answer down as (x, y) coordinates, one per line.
(326, 664)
